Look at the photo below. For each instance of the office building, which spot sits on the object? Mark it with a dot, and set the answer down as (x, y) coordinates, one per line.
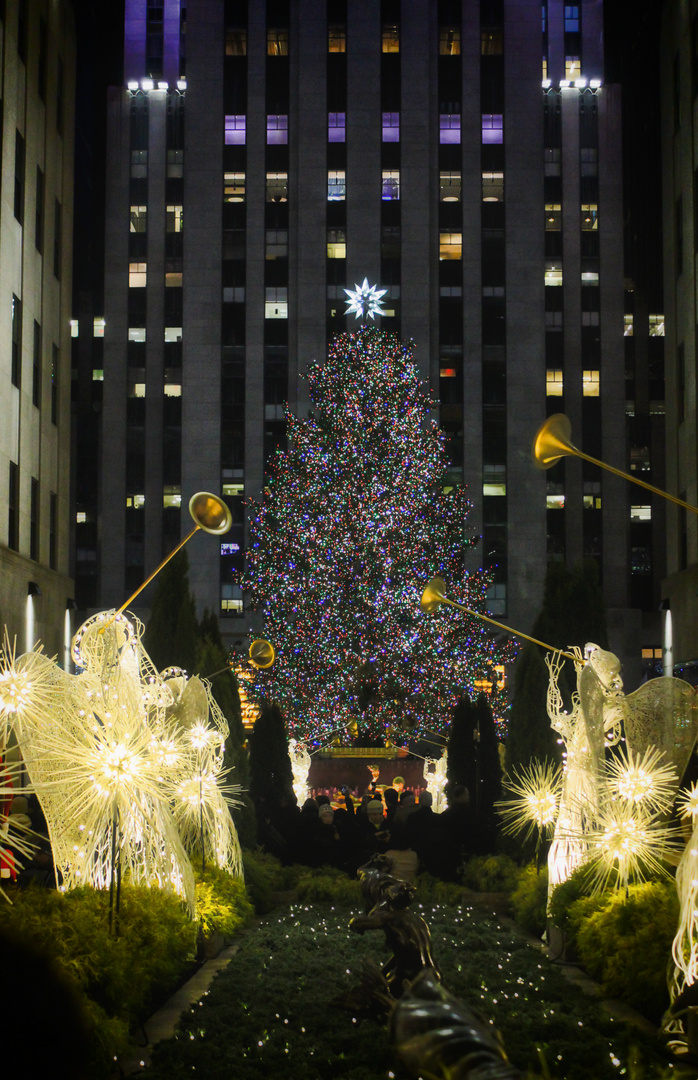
(464, 156)
(36, 219)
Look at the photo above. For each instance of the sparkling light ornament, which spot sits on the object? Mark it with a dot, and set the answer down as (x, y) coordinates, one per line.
(649, 779)
(629, 842)
(534, 807)
(365, 300)
(354, 520)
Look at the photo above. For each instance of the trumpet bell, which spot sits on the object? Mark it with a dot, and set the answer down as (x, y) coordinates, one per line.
(262, 653)
(552, 441)
(433, 595)
(210, 513)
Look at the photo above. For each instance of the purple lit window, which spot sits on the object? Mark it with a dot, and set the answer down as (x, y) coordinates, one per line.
(449, 128)
(235, 130)
(337, 127)
(391, 185)
(277, 130)
(492, 128)
(391, 127)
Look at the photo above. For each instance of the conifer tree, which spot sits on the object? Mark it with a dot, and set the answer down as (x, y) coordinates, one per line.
(354, 522)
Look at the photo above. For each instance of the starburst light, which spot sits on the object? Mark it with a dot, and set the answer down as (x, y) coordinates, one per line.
(643, 779)
(365, 300)
(536, 790)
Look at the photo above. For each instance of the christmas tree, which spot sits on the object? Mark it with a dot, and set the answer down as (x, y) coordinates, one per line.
(354, 521)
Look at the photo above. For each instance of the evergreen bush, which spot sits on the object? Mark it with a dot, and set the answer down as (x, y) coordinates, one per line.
(491, 873)
(529, 899)
(222, 903)
(327, 885)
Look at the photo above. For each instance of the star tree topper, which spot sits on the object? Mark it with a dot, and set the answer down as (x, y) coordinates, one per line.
(365, 300)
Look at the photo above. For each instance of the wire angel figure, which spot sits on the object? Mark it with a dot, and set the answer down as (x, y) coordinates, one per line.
(300, 765)
(436, 778)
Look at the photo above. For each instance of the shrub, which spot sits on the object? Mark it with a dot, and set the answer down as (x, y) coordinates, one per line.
(222, 903)
(433, 890)
(264, 876)
(491, 873)
(626, 944)
(327, 885)
(529, 899)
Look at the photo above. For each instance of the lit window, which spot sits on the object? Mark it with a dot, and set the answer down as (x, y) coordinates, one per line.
(231, 607)
(135, 502)
(336, 185)
(553, 383)
(553, 275)
(449, 41)
(450, 186)
(590, 217)
(139, 219)
(234, 187)
(98, 375)
(494, 489)
(235, 130)
(573, 67)
(173, 279)
(391, 38)
(493, 187)
(276, 303)
(174, 219)
(391, 126)
(447, 372)
(336, 244)
(277, 187)
(492, 128)
(235, 41)
(591, 502)
(590, 277)
(337, 38)
(656, 325)
(136, 390)
(277, 42)
(337, 127)
(553, 217)
(450, 245)
(590, 383)
(80, 517)
(390, 190)
(571, 18)
(449, 128)
(136, 333)
(628, 325)
(276, 244)
(172, 333)
(172, 389)
(234, 488)
(555, 502)
(640, 513)
(137, 275)
(171, 497)
(277, 130)
(544, 71)
(98, 327)
(74, 328)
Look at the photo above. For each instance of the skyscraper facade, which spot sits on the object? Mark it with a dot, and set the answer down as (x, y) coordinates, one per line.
(37, 85)
(466, 158)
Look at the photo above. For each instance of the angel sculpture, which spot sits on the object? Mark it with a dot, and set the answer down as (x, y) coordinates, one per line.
(435, 776)
(300, 765)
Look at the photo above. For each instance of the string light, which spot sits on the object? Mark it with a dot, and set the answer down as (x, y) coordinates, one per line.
(354, 520)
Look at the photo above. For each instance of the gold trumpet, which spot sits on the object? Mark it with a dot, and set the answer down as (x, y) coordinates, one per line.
(434, 595)
(210, 514)
(553, 441)
(262, 653)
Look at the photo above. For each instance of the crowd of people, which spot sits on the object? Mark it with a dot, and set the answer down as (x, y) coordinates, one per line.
(344, 830)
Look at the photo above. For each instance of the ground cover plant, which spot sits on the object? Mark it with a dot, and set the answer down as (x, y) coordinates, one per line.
(270, 1014)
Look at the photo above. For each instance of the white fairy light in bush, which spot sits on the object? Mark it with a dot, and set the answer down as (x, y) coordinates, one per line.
(645, 779)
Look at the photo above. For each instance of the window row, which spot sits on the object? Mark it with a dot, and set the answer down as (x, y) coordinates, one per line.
(13, 517)
(235, 130)
(491, 40)
(554, 383)
(16, 359)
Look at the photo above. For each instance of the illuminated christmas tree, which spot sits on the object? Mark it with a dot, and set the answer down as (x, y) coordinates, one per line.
(355, 519)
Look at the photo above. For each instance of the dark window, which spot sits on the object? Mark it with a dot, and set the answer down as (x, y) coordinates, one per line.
(22, 28)
(36, 366)
(57, 240)
(677, 93)
(678, 235)
(13, 508)
(39, 219)
(34, 520)
(41, 72)
(681, 381)
(19, 177)
(54, 384)
(16, 340)
(59, 96)
(52, 526)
